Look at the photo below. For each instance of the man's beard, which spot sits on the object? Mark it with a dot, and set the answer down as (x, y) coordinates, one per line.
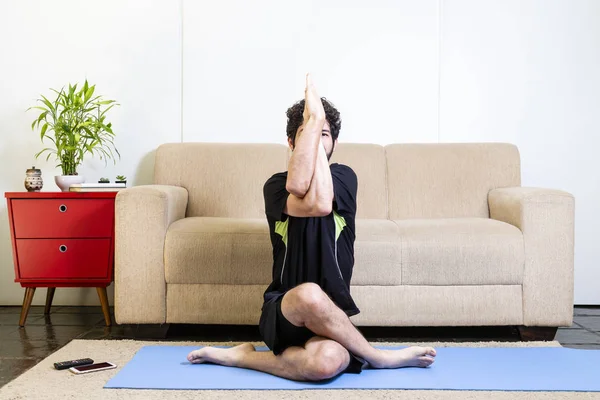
(328, 154)
(331, 152)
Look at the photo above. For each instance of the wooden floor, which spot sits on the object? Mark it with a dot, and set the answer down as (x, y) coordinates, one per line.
(22, 348)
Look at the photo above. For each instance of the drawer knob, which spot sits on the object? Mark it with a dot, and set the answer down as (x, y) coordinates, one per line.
(62, 248)
(62, 208)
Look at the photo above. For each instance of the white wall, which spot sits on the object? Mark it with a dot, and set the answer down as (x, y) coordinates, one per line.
(528, 72)
(246, 64)
(400, 71)
(130, 49)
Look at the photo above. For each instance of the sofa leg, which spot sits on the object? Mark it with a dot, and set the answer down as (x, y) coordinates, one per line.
(531, 333)
(146, 331)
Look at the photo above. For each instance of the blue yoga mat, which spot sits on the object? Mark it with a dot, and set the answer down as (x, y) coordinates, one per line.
(455, 368)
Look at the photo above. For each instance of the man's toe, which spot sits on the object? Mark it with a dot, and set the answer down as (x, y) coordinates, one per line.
(192, 356)
(426, 360)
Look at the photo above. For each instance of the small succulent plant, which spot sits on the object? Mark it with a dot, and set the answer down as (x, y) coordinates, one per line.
(121, 178)
(104, 180)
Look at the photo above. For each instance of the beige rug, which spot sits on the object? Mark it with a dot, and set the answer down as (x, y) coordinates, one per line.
(44, 382)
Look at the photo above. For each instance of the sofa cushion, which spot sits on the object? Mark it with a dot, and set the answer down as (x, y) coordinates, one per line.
(461, 251)
(377, 253)
(218, 250)
(213, 250)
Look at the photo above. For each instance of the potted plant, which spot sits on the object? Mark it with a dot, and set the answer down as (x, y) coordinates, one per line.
(77, 120)
(121, 179)
(104, 180)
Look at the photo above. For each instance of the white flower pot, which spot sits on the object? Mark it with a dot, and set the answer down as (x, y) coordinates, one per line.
(65, 181)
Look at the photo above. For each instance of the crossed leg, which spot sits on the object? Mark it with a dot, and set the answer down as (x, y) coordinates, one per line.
(323, 356)
(319, 359)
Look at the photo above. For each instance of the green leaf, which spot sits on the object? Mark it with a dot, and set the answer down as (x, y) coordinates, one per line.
(110, 151)
(44, 128)
(47, 102)
(88, 132)
(107, 108)
(69, 97)
(89, 92)
(57, 92)
(41, 151)
(106, 156)
(41, 117)
(77, 137)
(105, 102)
(51, 139)
(95, 98)
(39, 108)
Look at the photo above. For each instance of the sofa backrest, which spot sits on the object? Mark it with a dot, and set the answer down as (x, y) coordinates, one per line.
(222, 179)
(368, 162)
(450, 180)
(397, 181)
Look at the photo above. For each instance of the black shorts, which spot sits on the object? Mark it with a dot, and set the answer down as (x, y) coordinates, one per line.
(279, 334)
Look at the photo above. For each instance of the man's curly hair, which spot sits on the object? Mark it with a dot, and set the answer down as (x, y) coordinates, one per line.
(295, 119)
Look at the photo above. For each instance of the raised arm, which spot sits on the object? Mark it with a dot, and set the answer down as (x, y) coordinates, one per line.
(318, 200)
(301, 166)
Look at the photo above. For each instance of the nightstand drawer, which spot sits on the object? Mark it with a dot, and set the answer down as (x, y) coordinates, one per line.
(66, 218)
(63, 258)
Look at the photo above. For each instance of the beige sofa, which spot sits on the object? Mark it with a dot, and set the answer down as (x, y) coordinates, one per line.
(445, 236)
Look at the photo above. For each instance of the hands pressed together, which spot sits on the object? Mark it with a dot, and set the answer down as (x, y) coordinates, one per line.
(313, 106)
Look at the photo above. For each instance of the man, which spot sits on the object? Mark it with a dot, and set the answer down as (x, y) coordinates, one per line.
(311, 210)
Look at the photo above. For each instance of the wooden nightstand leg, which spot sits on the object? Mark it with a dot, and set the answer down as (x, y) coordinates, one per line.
(29, 292)
(49, 298)
(104, 303)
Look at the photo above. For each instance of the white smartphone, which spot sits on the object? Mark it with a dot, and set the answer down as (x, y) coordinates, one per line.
(84, 369)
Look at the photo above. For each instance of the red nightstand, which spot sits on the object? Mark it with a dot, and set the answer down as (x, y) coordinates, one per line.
(62, 239)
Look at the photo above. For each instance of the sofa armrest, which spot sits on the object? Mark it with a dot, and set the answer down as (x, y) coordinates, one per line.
(142, 216)
(546, 218)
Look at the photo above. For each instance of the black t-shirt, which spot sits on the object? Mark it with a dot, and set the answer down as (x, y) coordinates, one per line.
(314, 249)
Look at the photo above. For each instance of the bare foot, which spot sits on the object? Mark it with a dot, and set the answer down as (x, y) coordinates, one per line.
(229, 357)
(414, 356)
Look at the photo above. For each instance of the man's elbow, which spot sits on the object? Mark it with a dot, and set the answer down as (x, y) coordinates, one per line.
(323, 209)
(297, 189)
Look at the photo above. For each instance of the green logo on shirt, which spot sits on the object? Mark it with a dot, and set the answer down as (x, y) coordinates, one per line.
(281, 228)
